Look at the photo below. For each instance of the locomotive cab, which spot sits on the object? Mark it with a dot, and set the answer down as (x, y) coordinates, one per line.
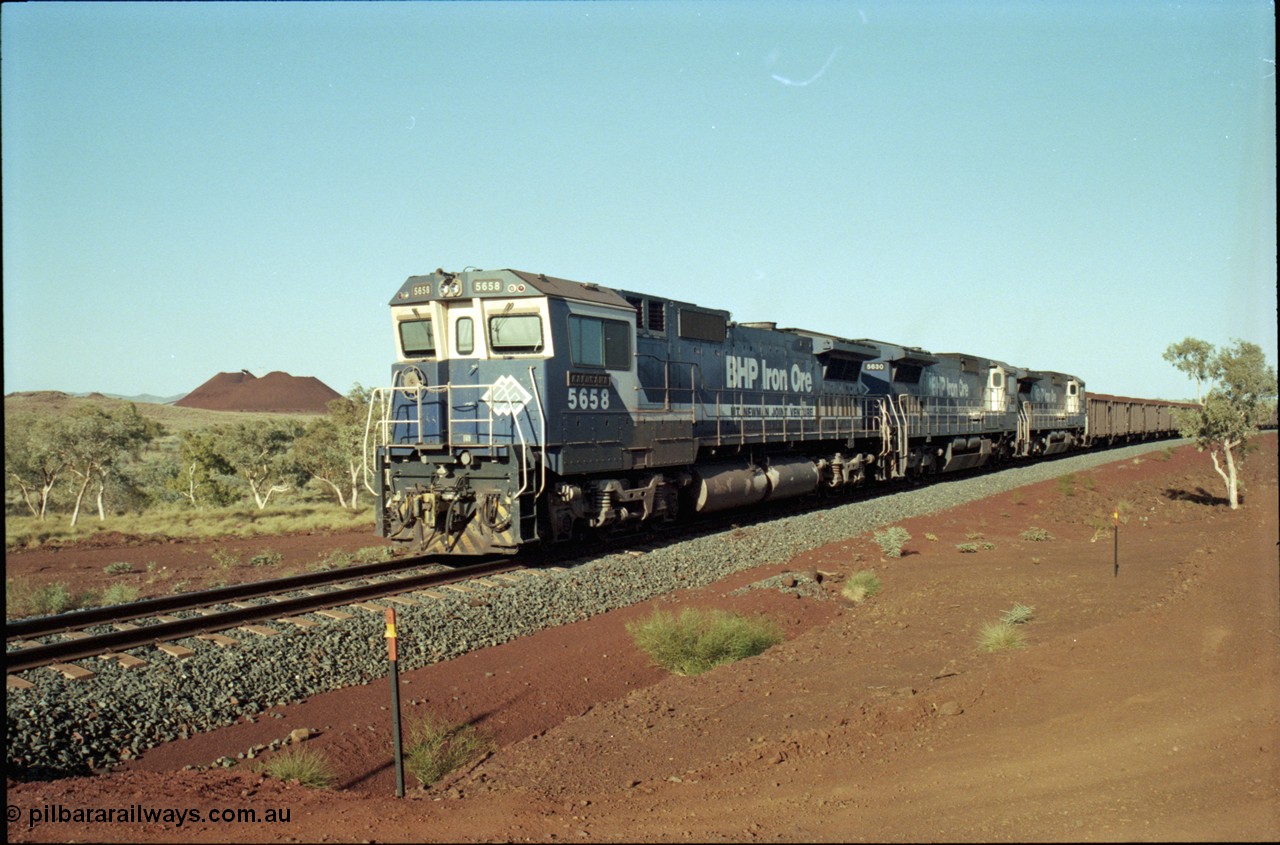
(460, 441)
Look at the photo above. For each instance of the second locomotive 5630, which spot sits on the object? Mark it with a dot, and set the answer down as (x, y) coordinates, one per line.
(529, 409)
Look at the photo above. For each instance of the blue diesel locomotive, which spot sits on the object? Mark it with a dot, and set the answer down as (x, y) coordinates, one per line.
(529, 409)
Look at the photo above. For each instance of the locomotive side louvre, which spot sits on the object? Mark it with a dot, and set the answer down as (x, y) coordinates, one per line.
(525, 409)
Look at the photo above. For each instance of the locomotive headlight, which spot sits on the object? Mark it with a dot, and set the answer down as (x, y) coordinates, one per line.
(465, 458)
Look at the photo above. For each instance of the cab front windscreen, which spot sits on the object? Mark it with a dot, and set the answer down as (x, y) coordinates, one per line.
(417, 338)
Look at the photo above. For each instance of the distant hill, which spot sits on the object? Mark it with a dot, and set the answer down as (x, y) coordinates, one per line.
(172, 417)
(276, 392)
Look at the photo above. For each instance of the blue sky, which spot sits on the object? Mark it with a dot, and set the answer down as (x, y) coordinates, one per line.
(197, 188)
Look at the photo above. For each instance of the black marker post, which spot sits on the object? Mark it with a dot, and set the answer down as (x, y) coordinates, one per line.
(395, 700)
(1115, 531)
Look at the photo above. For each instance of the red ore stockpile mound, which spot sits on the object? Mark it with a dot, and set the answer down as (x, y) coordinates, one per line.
(275, 392)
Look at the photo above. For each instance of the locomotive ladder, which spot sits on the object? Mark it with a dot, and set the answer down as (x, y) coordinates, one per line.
(1022, 445)
(889, 432)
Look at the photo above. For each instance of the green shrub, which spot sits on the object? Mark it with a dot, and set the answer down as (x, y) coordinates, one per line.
(1036, 535)
(224, 559)
(118, 568)
(1067, 484)
(891, 540)
(24, 599)
(335, 560)
(967, 548)
(308, 766)
(1019, 614)
(119, 594)
(697, 641)
(154, 574)
(860, 585)
(373, 554)
(267, 558)
(435, 748)
(1000, 636)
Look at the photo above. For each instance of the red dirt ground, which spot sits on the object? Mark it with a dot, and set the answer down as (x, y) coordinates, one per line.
(1146, 707)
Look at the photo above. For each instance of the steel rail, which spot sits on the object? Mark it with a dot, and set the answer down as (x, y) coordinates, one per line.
(45, 625)
(61, 652)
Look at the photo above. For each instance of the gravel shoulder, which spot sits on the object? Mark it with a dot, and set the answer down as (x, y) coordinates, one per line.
(1145, 707)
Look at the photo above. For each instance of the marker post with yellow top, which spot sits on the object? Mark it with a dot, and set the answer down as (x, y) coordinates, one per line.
(1115, 530)
(395, 700)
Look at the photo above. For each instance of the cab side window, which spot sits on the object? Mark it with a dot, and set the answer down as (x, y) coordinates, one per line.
(594, 342)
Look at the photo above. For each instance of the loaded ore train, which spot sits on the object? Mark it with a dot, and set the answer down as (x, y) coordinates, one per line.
(526, 409)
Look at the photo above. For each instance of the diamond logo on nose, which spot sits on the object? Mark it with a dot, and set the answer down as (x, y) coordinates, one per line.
(507, 396)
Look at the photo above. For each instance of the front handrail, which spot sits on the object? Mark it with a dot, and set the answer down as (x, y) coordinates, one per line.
(480, 432)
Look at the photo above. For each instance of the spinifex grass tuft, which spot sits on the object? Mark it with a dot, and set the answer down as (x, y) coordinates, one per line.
(861, 586)
(700, 640)
(1019, 614)
(1000, 636)
(891, 540)
(308, 766)
(435, 748)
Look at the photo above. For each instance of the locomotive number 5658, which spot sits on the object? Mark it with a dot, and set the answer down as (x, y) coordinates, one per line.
(588, 399)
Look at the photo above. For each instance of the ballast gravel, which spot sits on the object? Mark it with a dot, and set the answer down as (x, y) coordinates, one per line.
(62, 727)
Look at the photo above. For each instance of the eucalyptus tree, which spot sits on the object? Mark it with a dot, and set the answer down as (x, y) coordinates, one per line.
(331, 448)
(1242, 397)
(35, 458)
(1193, 357)
(261, 454)
(97, 442)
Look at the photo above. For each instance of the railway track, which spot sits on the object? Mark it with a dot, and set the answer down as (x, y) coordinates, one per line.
(150, 622)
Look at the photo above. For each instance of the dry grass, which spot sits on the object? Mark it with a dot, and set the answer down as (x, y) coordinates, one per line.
(435, 748)
(308, 766)
(176, 521)
(697, 641)
(1000, 636)
(892, 540)
(860, 586)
